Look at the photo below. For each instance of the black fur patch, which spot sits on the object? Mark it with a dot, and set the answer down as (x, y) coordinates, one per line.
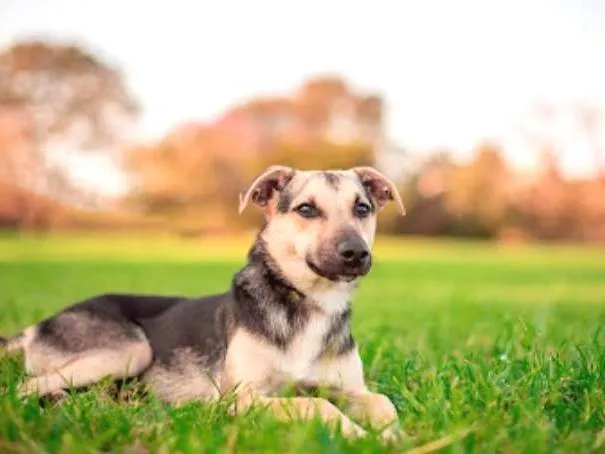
(369, 200)
(332, 179)
(368, 193)
(338, 339)
(102, 321)
(284, 201)
(285, 197)
(260, 292)
(197, 324)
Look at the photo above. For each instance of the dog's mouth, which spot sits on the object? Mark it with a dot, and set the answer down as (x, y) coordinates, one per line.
(339, 273)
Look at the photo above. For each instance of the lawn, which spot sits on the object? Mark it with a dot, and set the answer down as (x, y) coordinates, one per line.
(482, 347)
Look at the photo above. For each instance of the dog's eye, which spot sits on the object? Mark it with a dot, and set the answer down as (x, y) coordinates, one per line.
(362, 210)
(306, 210)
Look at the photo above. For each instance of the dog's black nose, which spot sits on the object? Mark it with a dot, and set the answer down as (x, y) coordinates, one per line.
(353, 250)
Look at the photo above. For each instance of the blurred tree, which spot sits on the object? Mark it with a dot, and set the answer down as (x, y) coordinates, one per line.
(478, 194)
(589, 207)
(68, 92)
(197, 172)
(591, 121)
(318, 155)
(317, 97)
(546, 207)
(195, 177)
(55, 100)
(17, 155)
(423, 193)
(189, 176)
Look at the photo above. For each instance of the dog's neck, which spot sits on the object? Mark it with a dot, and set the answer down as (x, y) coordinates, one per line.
(267, 303)
(261, 261)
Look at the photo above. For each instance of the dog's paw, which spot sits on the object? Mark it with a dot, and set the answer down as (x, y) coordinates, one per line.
(41, 388)
(393, 434)
(57, 396)
(27, 388)
(353, 431)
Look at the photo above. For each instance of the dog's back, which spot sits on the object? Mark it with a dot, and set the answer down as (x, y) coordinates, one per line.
(61, 329)
(118, 331)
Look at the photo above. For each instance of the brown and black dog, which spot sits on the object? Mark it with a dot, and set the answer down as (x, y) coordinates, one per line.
(285, 320)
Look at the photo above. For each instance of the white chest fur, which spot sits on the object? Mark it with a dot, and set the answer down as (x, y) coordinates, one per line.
(295, 362)
(264, 366)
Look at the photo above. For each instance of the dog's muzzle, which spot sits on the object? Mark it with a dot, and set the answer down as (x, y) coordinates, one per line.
(355, 256)
(350, 259)
(353, 252)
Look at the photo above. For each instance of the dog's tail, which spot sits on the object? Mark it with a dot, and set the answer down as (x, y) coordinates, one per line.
(12, 345)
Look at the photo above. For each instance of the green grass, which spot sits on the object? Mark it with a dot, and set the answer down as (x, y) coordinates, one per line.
(483, 347)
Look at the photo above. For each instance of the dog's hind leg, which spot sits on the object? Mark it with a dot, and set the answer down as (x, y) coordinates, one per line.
(14, 344)
(91, 366)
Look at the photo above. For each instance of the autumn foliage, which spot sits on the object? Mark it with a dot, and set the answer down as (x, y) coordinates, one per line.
(486, 198)
(194, 175)
(189, 180)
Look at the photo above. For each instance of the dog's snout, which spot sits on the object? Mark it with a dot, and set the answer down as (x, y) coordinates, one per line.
(347, 258)
(353, 250)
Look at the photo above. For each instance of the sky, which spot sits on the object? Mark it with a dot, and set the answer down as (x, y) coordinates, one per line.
(452, 73)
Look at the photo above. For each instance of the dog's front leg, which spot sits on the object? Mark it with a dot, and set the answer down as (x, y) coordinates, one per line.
(343, 376)
(302, 408)
(376, 410)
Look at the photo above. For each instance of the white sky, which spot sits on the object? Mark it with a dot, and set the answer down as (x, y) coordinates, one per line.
(451, 72)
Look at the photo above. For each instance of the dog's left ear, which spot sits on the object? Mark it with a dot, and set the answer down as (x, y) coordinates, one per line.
(379, 186)
(263, 187)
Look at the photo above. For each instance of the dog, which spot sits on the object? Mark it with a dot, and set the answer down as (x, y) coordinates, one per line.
(285, 319)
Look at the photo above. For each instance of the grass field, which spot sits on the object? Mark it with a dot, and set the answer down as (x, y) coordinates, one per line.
(482, 347)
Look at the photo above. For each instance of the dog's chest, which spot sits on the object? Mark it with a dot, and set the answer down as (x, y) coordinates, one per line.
(295, 362)
(253, 360)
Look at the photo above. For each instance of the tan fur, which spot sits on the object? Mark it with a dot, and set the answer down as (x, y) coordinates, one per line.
(288, 409)
(77, 371)
(183, 380)
(344, 372)
(374, 409)
(260, 369)
(18, 343)
(266, 368)
(41, 358)
(290, 238)
(343, 376)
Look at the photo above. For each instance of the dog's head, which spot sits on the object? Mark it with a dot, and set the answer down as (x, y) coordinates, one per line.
(321, 224)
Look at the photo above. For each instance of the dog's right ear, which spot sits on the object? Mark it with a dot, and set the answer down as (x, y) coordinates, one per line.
(263, 187)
